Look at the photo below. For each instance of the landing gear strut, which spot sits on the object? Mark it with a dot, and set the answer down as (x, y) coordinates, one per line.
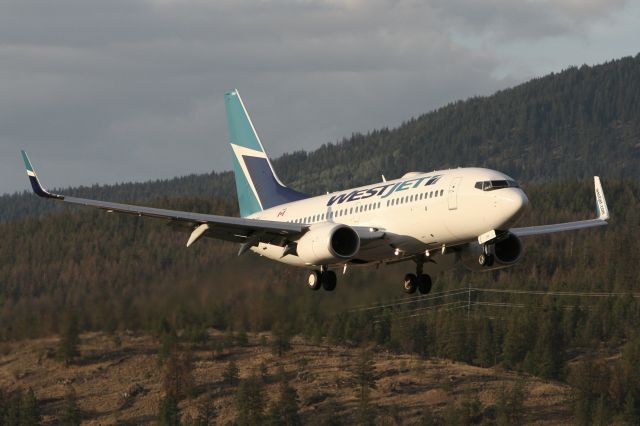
(485, 258)
(417, 281)
(323, 278)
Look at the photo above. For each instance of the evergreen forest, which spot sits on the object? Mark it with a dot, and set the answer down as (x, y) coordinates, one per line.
(570, 303)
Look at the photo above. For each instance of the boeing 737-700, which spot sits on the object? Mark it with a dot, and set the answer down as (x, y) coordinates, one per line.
(436, 219)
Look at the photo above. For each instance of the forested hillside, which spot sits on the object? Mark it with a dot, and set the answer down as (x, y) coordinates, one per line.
(112, 273)
(573, 124)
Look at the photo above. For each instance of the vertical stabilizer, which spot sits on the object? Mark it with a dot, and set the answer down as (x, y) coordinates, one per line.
(257, 185)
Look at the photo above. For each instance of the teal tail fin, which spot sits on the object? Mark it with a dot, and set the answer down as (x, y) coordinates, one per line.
(257, 185)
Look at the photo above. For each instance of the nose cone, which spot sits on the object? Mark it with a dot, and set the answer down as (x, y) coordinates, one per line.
(512, 203)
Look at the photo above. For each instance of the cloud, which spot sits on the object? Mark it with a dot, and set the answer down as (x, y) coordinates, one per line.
(132, 89)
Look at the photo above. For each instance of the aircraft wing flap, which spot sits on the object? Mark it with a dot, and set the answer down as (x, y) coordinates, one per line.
(225, 227)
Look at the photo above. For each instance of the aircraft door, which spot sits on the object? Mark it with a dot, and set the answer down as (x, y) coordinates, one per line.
(453, 193)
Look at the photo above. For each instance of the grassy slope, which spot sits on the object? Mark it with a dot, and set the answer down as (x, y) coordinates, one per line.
(406, 384)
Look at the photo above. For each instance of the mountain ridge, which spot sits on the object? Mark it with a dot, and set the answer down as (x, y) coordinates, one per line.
(566, 125)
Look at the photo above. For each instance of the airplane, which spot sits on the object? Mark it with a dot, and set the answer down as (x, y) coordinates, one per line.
(437, 219)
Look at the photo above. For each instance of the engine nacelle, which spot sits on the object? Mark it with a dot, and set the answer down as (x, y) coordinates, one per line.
(506, 252)
(327, 243)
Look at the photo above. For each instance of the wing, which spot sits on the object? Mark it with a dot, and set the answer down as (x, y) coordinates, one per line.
(249, 232)
(601, 210)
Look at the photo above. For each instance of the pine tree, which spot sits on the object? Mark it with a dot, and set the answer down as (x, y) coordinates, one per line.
(13, 408)
(510, 405)
(284, 411)
(168, 411)
(71, 414)
(168, 340)
(206, 413)
(231, 374)
(69, 338)
(250, 402)
(549, 349)
(363, 374)
(630, 410)
(485, 344)
(30, 411)
(178, 375)
(3, 405)
(241, 338)
(281, 339)
(264, 371)
(428, 418)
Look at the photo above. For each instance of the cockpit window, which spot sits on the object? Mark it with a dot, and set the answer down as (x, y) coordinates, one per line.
(490, 185)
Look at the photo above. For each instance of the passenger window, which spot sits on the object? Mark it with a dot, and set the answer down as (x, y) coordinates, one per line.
(441, 192)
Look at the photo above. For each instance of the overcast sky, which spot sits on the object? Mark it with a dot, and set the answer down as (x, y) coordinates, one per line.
(132, 90)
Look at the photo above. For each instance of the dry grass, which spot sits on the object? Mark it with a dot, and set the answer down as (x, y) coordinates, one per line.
(108, 369)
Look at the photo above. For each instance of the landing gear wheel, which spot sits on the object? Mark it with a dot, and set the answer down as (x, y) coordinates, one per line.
(485, 259)
(424, 284)
(314, 280)
(410, 284)
(329, 280)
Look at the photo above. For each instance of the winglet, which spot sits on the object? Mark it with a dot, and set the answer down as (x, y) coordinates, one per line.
(601, 203)
(33, 178)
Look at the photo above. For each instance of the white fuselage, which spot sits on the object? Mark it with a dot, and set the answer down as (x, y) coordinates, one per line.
(418, 212)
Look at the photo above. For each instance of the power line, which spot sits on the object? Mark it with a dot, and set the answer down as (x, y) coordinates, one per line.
(405, 308)
(554, 293)
(406, 301)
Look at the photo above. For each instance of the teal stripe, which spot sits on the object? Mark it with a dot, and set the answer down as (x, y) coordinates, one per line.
(27, 163)
(240, 130)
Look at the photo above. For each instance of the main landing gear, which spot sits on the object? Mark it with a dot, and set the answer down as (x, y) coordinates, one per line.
(417, 281)
(485, 258)
(324, 278)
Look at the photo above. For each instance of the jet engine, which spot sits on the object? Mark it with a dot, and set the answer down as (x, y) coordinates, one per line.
(506, 252)
(327, 243)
